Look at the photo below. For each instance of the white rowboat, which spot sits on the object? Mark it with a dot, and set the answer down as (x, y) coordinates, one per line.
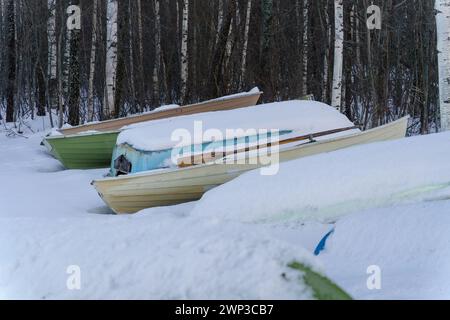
(132, 193)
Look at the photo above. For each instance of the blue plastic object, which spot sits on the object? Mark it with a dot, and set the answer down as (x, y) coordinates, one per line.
(321, 246)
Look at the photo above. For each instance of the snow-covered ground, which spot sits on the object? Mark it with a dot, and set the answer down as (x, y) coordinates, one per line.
(388, 203)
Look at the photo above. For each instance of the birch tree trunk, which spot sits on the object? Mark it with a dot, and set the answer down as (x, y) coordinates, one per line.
(60, 81)
(131, 55)
(74, 74)
(111, 57)
(326, 31)
(336, 100)
(51, 32)
(245, 46)
(184, 50)
(157, 66)
(229, 45)
(90, 102)
(52, 63)
(11, 39)
(443, 46)
(142, 95)
(305, 45)
(219, 21)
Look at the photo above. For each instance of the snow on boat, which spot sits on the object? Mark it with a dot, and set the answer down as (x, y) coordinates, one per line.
(235, 101)
(148, 147)
(135, 192)
(91, 146)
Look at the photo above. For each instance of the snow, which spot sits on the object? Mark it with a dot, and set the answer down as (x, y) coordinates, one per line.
(241, 94)
(167, 107)
(388, 203)
(410, 245)
(327, 186)
(304, 117)
(51, 219)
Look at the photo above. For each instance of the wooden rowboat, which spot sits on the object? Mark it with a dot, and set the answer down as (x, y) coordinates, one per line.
(91, 146)
(132, 193)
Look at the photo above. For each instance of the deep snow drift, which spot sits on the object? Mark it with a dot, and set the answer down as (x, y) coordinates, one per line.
(51, 219)
(389, 201)
(329, 185)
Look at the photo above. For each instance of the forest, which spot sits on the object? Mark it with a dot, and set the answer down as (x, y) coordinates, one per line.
(89, 60)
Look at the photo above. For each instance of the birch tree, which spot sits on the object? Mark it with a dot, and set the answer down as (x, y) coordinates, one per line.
(219, 20)
(111, 56)
(51, 32)
(184, 49)
(305, 45)
(41, 49)
(157, 65)
(338, 54)
(443, 46)
(74, 64)
(93, 62)
(11, 39)
(245, 45)
(141, 55)
(131, 55)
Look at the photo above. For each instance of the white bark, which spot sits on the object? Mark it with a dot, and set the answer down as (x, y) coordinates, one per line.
(51, 31)
(141, 54)
(130, 37)
(443, 46)
(326, 57)
(245, 47)
(184, 49)
(93, 62)
(305, 45)
(2, 22)
(219, 21)
(157, 66)
(338, 54)
(111, 56)
(229, 44)
(66, 63)
(60, 83)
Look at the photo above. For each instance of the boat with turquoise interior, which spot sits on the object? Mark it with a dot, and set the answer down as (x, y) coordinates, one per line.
(160, 144)
(129, 160)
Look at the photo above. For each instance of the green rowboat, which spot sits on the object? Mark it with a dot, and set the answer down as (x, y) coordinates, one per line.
(84, 151)
(91, 146)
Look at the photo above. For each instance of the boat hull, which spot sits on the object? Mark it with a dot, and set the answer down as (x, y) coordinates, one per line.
(83, 151)
(76, 150)
(238, 102)
(132, 193)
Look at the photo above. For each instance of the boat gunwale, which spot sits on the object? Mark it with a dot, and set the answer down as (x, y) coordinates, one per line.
(81, 134)
(156, 111)
(171, 170)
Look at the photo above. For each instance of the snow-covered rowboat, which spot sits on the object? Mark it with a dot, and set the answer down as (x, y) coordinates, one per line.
(157, 146)
(91, 146)
(132, 193)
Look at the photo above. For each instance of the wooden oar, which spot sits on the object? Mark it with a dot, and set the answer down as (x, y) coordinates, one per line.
(212, 156)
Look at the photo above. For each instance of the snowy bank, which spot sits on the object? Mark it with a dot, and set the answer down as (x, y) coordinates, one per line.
(51, 219)
(327, 186)
(409, 244)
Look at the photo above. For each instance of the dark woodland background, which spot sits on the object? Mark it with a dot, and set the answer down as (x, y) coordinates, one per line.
(387, 73)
